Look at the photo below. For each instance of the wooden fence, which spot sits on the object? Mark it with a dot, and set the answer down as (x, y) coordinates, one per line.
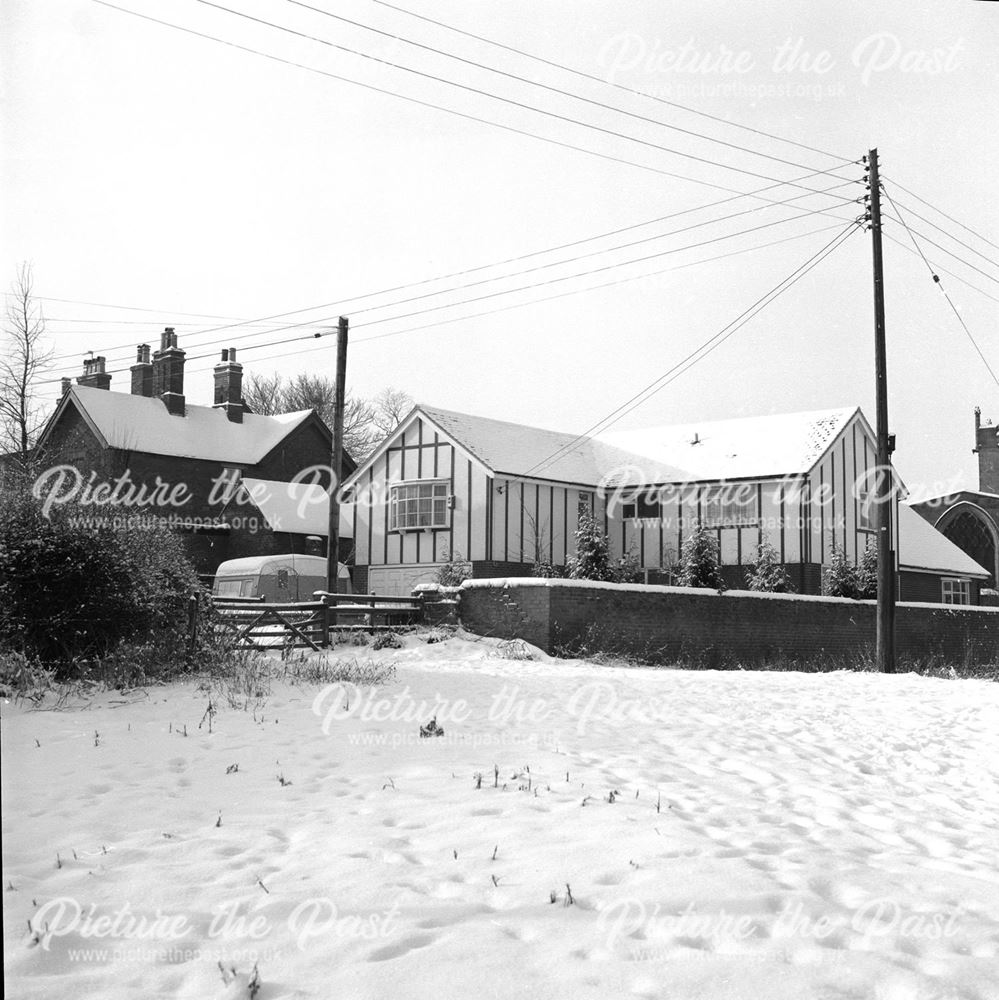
(307, 624)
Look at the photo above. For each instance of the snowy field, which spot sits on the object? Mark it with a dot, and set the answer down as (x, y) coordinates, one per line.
(578, 831)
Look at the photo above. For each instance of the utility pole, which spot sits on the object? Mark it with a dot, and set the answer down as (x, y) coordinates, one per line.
(885, 479)
(333, 542)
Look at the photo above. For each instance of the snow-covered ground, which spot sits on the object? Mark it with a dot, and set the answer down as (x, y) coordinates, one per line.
(722, 835)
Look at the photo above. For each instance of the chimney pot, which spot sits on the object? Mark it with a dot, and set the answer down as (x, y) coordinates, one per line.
(142, 372)
(168, 373)
(229, 386)
(94, 376)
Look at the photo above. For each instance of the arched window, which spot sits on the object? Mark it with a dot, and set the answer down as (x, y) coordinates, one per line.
(969, 532)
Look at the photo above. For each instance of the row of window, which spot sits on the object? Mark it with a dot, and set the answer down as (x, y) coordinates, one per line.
(726, 507)
(426, 504)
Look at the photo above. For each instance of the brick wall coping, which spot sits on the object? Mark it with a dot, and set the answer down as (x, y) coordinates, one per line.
(642, 588)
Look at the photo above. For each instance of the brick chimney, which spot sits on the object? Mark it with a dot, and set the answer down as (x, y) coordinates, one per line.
(142, 372)
(987, 449)
(67, 384)
(94, 374)
(168, 373)
(229, 386)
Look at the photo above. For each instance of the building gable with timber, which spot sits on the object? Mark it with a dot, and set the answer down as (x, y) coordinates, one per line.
(505, 497)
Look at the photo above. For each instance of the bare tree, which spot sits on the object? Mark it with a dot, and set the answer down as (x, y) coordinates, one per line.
(388, 409)
(270, 394)
(262, 394)
(26, 357)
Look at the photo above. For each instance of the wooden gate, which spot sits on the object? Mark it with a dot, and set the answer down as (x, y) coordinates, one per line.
(307, 625)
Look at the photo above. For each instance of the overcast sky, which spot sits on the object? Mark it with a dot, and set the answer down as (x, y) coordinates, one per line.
(145, 167)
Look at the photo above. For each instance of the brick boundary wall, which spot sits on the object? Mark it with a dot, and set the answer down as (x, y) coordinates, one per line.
(665, 624)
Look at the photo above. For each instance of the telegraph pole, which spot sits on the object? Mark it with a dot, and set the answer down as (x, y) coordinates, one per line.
(885, 479)
(333, 543)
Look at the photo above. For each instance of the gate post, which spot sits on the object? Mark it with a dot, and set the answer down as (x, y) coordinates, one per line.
(324, 617)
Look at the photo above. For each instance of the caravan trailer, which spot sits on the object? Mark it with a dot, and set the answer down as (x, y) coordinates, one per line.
(277, 579)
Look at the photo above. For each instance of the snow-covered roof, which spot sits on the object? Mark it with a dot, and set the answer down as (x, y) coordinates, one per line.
(921, 546)
(748, 447)
(251, 565)
(519, 450)
(266, 565)
(143, 423)
(302, 508)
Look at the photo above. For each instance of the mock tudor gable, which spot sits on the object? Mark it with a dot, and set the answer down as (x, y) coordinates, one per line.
(507, 497)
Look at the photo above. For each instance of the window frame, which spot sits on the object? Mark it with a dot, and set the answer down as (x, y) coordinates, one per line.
(639, 507)
(713, 494)
(413, 514)
(866, 512)
(951, 586)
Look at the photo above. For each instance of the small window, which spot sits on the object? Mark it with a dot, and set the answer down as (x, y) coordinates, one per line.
(584, 506)
(865, 512)
(956, 591)
(731, 506)
(640, 506)
(419, 505)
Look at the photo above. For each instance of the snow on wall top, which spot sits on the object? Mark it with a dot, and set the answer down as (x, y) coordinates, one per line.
(744, 448)
(302, 508)
(519, 450)
(143, 423)
(921, 546)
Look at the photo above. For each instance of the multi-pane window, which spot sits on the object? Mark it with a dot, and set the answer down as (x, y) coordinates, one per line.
(956, 591)
(640, 506)
(731, 506)
(419, 505)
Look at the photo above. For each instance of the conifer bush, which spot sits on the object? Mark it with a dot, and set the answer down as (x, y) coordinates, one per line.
(700, 563)
(592, 559)
(768, 574)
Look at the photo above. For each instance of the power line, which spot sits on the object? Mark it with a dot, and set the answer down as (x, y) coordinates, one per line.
(940, 210)
(609, 83)
(343, 302)
(485, 93)
(947, 233)
(944, 249)
(510, 291)
(701, 351)
(596, 253)
(572, 291)
(538, 301)
(394, 36)
(939, 284)
(598, 270)
(430, 104)
(942, 270)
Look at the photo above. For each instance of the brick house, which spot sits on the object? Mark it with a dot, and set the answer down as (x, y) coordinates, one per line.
(970, 518)
(184, 458)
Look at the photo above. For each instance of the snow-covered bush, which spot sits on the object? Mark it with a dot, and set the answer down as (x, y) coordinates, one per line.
(454, 571)
(843, 578)
(768, 574)
(72, 594)
(699, 561)
(592, 558)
